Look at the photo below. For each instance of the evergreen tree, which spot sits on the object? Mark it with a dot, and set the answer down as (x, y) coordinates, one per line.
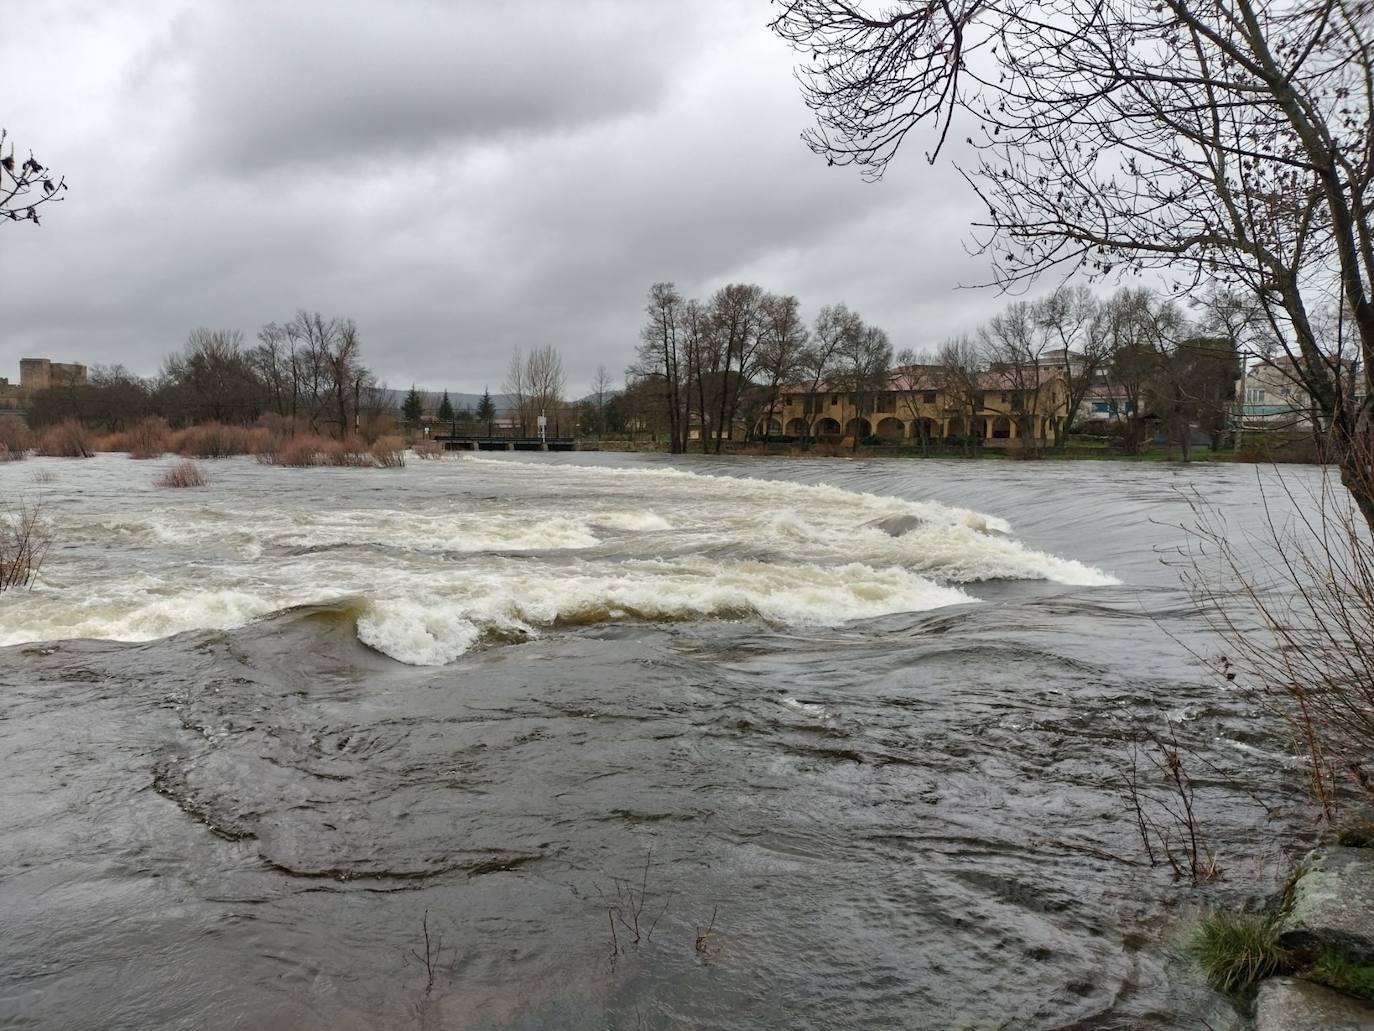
(486, 411)
(446, 414)
(412, 408)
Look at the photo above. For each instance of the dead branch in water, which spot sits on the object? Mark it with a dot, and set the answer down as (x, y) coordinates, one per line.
(24, 542)
(628, 908)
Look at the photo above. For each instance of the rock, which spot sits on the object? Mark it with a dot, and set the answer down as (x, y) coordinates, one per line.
(1288, 1004)
(898, 526)
(1333, 904)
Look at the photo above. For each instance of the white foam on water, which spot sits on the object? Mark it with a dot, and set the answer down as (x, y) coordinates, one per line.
(437, 626)
(543, 546)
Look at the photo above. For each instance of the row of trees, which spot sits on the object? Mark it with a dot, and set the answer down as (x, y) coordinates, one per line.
(717, 364)
(722, 366)
(1158, 365)
(309, 370)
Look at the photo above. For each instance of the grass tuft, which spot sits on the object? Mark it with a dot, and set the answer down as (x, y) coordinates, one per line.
(1237, 951)
(1336, 971)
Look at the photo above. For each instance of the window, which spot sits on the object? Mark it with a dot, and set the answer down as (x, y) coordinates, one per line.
(1254, 396)
(1102, 407)
(979, 400)
(928, 397)
(834, 399)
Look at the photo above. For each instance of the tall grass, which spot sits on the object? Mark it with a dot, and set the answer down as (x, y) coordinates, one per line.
(68, 439)
(24, 541)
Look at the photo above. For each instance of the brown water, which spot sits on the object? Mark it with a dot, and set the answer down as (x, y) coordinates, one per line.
(855, 724)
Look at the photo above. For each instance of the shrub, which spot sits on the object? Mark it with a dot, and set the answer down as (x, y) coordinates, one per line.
(15, 438)
(184, 474)
(212, 440)
(351, 453)
(389, 452)
(69, 439)
(6, 455)
(302, 450)
(149, 438)
(1236, 951)
(24, 540)
(310, 449)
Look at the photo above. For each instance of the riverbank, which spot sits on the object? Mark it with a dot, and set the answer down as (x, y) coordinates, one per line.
(1318, 957)
(1072, 453)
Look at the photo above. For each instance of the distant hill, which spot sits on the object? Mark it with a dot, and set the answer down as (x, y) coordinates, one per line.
(459, 401)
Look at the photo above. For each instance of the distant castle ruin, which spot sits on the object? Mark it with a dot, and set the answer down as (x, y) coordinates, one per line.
(37, 374)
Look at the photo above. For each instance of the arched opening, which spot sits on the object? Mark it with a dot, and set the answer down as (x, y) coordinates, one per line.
(770, 428)
(797, 428)
(891, 429)
(958, 427)
(930, 427)
(827, 428)
(1001, 428)
(858, 429)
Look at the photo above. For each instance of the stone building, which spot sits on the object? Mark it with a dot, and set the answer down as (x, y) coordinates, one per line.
(1002, 407)
(37, 374)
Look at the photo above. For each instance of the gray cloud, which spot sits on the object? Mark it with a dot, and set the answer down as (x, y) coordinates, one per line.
(460, 179)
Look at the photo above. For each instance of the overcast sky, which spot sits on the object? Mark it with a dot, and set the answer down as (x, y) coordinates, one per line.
(461, 178)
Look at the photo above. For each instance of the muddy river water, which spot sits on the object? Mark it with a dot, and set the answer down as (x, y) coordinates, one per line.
(640, 742)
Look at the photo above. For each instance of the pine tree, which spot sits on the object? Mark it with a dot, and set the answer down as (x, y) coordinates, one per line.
(446, 414)
(412, 408)
(486, 411)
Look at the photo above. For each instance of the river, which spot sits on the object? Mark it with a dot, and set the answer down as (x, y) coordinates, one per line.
(642, 742)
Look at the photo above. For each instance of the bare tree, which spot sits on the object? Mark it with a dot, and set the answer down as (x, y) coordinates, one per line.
(916, 381)
(863, 370)
(735, 317)
(516, 387)
(1018, 351)
(663, 355)
(959, 366)
(546, 382)
(818, 362)
(25, 186)
(1072, 317)
(602, 390)
(783, 339)
(1228, 139)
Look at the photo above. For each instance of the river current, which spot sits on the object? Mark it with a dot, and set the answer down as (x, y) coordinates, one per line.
(638, 741)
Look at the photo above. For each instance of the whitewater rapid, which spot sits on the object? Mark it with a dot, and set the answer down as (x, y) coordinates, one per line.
(517, 549)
